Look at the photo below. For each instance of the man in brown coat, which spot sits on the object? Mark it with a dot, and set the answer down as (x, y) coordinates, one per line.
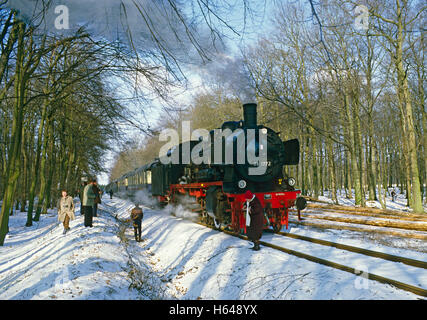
(136, 215)
(65, 210)
(254, 219)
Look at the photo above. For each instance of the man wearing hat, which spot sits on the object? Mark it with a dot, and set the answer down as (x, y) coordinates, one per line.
(254, 219)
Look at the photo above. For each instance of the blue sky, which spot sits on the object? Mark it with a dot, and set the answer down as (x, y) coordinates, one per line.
(253, 29)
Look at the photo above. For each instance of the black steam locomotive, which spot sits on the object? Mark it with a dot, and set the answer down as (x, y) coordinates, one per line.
(239, 156)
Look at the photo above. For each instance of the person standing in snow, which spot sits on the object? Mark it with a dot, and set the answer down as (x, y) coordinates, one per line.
(136, 215)
(254, 219)
(393, 195)
(65, 210)
(88, 201)
(111, 194)
(97, 200)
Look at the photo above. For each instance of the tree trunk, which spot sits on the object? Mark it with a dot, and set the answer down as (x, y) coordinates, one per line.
(358, 151)
(406, 105)
(43, 177)
(314, 164)
(36, 173)
(353, 160)
(51, 169)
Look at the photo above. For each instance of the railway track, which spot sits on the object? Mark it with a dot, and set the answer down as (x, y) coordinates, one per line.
(367, 252)
(374, 223)
(385, 231)
(311, 208)
(313, 203)
(400, 224)
(398, 284)
(375, 254)
(356, 218)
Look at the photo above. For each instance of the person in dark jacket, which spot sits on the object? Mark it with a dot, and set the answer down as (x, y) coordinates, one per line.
(97, 193)
(88, 201)
(136, 215)
(111, 194)
(393, 195)
(254, 219)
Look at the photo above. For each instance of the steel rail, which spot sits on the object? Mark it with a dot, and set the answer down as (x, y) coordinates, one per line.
(400, 285)
(367, 252)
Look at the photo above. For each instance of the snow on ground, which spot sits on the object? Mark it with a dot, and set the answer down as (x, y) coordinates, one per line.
(399, 204)
(368, 237)
(365, 234)
(365, 218)
(39, 262)
(177, 259)
(396, 271)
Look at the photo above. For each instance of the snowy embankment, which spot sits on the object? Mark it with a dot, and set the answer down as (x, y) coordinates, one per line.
(177, 259)
(399, 205)
(39, 262)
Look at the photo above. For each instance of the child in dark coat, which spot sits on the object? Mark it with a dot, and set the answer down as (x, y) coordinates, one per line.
(136, 215)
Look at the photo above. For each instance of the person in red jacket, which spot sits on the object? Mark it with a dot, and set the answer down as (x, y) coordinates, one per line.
(254, 219)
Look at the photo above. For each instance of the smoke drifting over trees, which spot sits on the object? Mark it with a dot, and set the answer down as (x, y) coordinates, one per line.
(166, 31)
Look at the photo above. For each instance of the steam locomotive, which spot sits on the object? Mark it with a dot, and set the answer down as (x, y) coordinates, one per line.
(245, 156)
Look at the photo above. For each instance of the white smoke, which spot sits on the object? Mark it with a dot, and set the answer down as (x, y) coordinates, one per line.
(146, 25)
(181, 211)
(233, 74)
(143, 197)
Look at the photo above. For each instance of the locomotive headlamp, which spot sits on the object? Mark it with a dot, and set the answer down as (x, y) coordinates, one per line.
(291, 182)
(242, 184)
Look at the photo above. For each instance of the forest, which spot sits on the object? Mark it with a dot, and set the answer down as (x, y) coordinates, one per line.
(352, 94)
(345, 78)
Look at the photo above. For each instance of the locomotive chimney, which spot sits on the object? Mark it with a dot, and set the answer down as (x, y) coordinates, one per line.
(250, 115)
